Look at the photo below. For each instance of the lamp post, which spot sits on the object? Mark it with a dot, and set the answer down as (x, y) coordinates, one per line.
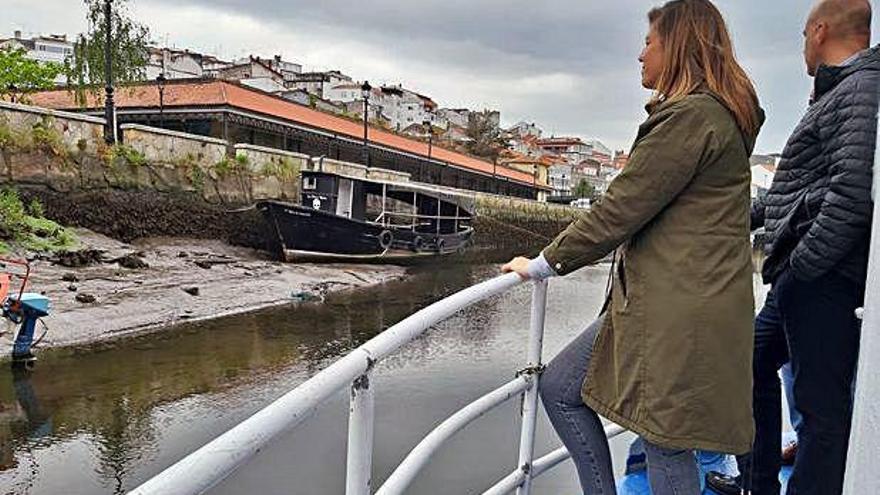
(495, 173)
(160, 83)
(109, 107)
(427, 124)
(365, 92)
(535, 180)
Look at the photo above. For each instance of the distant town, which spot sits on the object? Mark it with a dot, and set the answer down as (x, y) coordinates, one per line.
(562, 168)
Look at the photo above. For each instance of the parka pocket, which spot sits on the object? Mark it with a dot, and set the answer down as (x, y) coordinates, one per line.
(621, 284)
(793, 226)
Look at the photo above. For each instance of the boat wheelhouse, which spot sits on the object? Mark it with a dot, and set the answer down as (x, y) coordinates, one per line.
(343, 218)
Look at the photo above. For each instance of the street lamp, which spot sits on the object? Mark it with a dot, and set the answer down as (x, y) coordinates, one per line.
(535, 180)
(427, 125)
(109, 107)
(495, 173)
(160, 83)
(365, 92)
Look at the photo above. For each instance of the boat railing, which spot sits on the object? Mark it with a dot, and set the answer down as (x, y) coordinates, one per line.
(417, 215)
(864, 447)
(207, 466)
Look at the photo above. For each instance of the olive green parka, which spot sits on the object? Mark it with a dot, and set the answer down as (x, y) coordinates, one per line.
(673, 361)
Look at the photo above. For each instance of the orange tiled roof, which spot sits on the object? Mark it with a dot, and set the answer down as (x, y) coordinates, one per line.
(215, 93)
(560, 141)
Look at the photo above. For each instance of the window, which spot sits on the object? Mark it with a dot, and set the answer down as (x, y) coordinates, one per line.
(310, 183)
(52, 49)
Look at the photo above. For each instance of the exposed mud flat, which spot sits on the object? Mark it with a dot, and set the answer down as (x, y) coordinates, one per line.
(152, 284)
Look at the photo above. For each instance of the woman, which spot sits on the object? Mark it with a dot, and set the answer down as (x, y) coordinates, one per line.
(671, 357)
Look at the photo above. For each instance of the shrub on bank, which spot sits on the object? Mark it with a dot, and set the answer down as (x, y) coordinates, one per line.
(26, 227)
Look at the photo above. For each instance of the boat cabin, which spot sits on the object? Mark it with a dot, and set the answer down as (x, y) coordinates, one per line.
(414, 207)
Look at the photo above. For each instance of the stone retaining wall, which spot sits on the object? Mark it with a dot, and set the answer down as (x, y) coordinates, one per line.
(162, 182)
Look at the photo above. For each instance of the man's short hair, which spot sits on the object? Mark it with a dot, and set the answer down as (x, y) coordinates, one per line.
(845, 18)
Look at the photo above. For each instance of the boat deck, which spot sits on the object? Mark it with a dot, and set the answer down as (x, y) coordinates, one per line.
(637, 484)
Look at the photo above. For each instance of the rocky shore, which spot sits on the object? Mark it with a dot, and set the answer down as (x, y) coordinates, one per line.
(108, 289)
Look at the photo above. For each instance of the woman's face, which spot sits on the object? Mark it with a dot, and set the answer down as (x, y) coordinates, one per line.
(652, 59)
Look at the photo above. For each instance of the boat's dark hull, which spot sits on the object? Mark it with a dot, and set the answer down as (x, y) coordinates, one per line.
(305, 234)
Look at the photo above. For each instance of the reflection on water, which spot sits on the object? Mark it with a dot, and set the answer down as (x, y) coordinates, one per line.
(100, 403)
(104, 419)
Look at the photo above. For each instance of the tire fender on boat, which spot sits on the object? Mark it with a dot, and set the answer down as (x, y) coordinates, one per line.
(418, 243)
(385, 239)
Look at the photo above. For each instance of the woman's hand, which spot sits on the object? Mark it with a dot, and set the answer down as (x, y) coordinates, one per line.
(519, 265)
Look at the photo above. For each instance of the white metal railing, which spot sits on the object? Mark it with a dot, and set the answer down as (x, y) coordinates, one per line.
(207, 466)
(210, 464)
(864, 448)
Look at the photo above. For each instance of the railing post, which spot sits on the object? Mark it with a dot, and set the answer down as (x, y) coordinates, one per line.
(358, 477)
(530, 396)
(861, 465)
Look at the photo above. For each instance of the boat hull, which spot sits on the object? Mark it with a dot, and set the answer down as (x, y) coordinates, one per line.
(307, 235)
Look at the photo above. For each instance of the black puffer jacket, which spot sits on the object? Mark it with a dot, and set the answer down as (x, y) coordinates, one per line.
(817, 214)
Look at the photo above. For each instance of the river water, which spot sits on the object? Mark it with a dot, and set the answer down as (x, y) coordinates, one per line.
(104, 419)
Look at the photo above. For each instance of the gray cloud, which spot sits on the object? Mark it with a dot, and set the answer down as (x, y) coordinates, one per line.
(569, 65)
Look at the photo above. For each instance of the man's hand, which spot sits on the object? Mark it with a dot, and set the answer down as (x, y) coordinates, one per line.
(519, 265)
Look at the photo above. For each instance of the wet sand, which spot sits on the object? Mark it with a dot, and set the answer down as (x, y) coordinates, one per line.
(184, 280)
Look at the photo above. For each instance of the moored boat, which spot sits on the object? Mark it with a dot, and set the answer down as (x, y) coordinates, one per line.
(344, 218)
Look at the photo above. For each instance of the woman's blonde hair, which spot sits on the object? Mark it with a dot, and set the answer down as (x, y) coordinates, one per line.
(698, 53)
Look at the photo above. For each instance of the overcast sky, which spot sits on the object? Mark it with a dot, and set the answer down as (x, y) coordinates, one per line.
(569, 65)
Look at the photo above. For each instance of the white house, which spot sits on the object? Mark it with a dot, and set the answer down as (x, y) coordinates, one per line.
(403, 107)
(399, 106)
(303, 97)
(522, 129)
(211, 66)
(53, 48)
(175, 64)
(573, 149)
(455, 116)
(762, 179)
(599, 151)
(317, 83)
(250, 68)
(356, 108)
(266, 84)
(290, 70)
(344, 93)
(561, 178)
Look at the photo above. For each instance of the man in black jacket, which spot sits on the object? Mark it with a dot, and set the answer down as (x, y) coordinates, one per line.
(817, 217)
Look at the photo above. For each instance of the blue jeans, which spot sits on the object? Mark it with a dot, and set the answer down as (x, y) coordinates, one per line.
(670, 471)
(813, 324)
(788, 385)
(707, 461)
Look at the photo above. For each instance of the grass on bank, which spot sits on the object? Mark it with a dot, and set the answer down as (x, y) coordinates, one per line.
(25, 226)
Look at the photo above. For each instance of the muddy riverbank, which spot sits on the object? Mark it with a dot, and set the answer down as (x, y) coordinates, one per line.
(153, 284)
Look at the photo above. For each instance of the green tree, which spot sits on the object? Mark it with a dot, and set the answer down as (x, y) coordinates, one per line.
(485, 136)
(585, 190)
(20, 75)
(128, 41)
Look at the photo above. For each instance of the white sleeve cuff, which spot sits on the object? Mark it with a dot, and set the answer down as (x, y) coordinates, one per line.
(539, 269)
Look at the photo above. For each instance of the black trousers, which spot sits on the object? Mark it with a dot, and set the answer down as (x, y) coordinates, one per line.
(813, 325)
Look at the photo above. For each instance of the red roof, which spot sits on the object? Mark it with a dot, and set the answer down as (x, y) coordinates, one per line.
(560, 141)
(216, 93)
